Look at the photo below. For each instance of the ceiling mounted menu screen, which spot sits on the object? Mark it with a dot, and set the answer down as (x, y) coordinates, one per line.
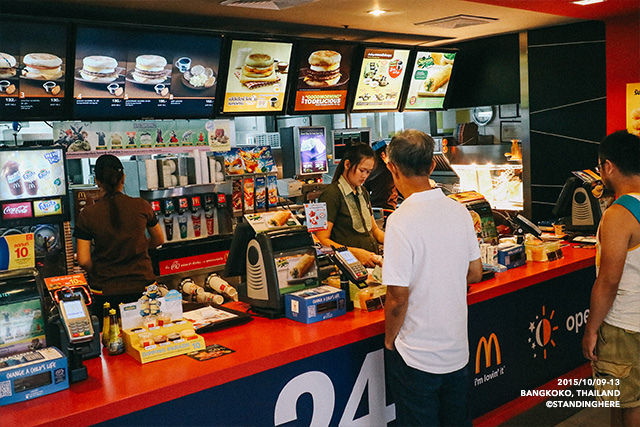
(125, 74)
(323, 76)
(380, 79)
(32, 70)
(257, 78)
(430, 80)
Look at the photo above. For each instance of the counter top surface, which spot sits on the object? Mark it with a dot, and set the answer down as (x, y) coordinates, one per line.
(118, 385)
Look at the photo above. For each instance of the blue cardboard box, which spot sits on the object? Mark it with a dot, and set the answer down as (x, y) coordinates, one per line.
(511, 256)
(315, 304)
(31, 374)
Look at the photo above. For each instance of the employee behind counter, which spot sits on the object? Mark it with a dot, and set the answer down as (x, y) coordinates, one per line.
(350, 219)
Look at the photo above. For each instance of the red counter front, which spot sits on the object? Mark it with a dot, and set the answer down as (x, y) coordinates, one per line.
(119, 385)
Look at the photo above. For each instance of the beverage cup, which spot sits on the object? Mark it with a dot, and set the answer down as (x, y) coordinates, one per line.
(183, 64)
(209, 218)
(159, 88)
(30, 179)
(168, 227)
(112, 88)
(11, 171)
(182, 225)
(48, 86)
(274, 101)
(4, 84)
(196, 220)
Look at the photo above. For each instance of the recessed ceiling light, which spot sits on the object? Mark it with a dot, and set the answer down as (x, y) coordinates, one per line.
(586, 2)
(377, 12)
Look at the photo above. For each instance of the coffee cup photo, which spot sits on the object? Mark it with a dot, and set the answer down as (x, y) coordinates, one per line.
(48, 86)
(112, 88)
(183, 64)
(4, 84)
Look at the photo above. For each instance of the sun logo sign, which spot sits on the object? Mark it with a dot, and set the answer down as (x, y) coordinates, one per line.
(541, 333)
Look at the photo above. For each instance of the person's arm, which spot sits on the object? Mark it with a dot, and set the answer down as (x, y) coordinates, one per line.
(84, 254)
(395, 309)
(614, 235)
(368, 259)
(377, 233)
(156, 237)
(474, 274)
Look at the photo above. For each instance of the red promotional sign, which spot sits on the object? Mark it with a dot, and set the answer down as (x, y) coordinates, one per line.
(17, 210)
(195, 262)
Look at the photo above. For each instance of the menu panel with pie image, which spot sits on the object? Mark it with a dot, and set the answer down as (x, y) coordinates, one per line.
(257, 78)
(126, 74)
(380, 79)
(323, 76)
(430, 80)
(32, 70)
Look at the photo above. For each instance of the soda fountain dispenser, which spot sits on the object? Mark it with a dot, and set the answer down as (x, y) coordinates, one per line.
(209, 210)
(182, 207)
(196, 219)
(168, 208)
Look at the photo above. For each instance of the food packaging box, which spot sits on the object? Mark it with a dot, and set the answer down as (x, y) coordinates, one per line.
(261, 193)
(542, 252)
(31, 374)
(248, 191)
(315, 304)
(236, 196)
(511, 255)
(164, 349)
(272, 191)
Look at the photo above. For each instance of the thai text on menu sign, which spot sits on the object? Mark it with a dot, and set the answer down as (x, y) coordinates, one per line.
(380, 79)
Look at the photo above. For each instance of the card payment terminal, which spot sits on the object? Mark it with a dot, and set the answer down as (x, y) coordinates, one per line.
(76, 318)
(349, 265)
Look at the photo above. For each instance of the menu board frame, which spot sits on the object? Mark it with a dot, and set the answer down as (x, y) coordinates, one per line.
(322, 44)
(412, 61)
(359, 67)
(65, 109)
(226, 64)
(146, 31)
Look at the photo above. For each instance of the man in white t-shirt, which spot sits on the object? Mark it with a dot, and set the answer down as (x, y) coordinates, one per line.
(431, 254)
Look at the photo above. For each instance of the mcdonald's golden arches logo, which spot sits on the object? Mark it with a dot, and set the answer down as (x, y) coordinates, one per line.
(485, 344)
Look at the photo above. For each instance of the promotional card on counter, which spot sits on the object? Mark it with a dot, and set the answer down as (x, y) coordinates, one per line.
(257, 77)
(323, 76)
(126, 74)
(32, 70)
(380, 80)
(430, 80)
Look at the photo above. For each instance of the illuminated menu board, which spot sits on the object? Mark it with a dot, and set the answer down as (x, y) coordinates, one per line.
(430, 80)
(127, 74)
(31, 174)
(32, 70)
(323, 76)
(312, 145)
(380, 79)
(257, 77)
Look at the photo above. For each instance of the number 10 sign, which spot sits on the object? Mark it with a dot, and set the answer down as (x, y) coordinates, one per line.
(16, 251)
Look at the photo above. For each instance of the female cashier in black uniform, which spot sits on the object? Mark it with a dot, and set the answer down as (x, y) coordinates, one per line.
(119, 267)
(349, 217)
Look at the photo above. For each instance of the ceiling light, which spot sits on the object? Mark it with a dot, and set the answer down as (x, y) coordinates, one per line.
(586, 2)
(377, 12)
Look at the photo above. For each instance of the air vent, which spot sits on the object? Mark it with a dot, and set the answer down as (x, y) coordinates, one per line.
(265, 4)
(457, 21)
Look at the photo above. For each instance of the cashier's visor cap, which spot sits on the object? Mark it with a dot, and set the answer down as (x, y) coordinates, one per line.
(107, 166)
(379, 145)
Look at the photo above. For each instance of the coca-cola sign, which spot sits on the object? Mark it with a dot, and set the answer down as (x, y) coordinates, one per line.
(16, 210)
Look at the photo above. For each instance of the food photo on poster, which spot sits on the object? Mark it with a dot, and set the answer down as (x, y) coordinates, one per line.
(430, 80)
(381, 79)
(32, 70)
(257, 77)
(126, 74)
(28, 174)
(324, 71)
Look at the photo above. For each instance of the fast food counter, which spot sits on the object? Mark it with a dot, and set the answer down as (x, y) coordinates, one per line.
(276, 361)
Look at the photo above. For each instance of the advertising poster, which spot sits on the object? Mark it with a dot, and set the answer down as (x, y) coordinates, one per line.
(323, 77)
(32, 70)
(120, 74)
(430, 80)
(380, 80)
(633, 108)
(28, 174)
(257, 78)
(313, 150)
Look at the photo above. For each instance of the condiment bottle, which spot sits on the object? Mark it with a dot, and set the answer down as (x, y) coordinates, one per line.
(116, 345)
(105, 324)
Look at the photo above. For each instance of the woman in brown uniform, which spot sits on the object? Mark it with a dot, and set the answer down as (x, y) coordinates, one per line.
(119, 266)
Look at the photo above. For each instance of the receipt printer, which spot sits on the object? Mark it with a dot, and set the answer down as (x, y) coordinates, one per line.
(511, 255)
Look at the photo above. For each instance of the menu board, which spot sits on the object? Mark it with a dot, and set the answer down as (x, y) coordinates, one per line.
(430, 80)
(380, 79)
(32, 70)
(127, 74)
(257, 77)
(30, 174)
(313, 150)
(323, 76)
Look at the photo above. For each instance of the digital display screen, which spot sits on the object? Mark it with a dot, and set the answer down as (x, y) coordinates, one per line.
(380, 79)
(323, 76)
(21, 326)
(312, 142)
(430, 80)
(32, 70)
(31, 174)
(295, 269)
(73, 309)
(257, 77)
(126, 74)
(348, 257)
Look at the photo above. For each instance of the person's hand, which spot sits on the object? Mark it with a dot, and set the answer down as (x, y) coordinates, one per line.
(368, 259)
(635, 122)
(589, 345)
